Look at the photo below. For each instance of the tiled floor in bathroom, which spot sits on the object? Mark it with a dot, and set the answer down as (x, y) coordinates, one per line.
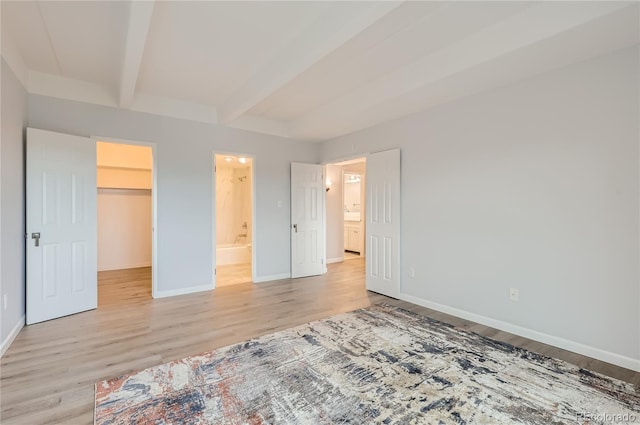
(233, 274)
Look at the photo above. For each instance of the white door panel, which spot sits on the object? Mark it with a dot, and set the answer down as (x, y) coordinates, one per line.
(383, 223)
(61, 208)
(307, 220)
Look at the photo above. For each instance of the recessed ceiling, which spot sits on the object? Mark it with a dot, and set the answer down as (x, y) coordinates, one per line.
(309, 70)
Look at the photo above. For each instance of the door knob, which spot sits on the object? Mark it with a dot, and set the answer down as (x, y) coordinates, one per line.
(36, 236)
(295, 226)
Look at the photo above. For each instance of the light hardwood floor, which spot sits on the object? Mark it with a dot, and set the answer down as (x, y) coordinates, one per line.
(48, 374)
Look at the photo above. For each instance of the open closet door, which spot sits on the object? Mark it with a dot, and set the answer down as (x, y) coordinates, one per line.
(307, 220)
(61, 225)
(383, 223)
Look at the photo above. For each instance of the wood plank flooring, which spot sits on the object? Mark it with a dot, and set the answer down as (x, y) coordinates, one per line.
(48, 374)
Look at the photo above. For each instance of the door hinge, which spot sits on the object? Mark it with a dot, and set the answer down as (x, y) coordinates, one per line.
(215, 271)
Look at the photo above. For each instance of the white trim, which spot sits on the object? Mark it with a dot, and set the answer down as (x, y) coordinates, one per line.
(335, 260)
(576, 347)
(269, 278)
(254, 203)
(154, 203)
(214, 230)
(183, 291)
(348, 159)
(12, 335)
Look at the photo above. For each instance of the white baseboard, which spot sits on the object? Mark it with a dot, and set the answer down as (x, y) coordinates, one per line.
(259, 279)
(576, 347)
(183, 291)
(12, 336)
(335, 260)
(128, 266)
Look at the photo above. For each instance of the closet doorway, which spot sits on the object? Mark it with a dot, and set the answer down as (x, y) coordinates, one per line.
(234, 219)
(125, 212)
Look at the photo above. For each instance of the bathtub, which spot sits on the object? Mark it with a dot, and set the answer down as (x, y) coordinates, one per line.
(233, 254)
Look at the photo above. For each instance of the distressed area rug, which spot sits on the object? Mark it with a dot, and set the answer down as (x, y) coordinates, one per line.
(376, 365)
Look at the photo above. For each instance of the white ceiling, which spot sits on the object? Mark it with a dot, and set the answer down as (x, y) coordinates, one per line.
(310, 70)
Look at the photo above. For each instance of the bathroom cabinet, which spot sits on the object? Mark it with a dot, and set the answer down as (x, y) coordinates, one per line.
(352, 236)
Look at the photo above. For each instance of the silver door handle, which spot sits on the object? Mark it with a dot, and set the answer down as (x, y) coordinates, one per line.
(36, 236)
(295, 226)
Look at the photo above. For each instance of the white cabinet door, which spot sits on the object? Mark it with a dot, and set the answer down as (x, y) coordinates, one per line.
(61, 225)
(307, 220)
(383, 223)
(355, 239)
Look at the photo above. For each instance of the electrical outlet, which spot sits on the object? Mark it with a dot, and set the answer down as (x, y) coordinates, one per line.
(514, 294)
(412, 272)
(4, 301)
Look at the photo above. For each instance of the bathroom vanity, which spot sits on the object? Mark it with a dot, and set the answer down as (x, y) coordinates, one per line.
(352, 236)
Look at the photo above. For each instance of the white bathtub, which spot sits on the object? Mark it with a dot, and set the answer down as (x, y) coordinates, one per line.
(233, 254)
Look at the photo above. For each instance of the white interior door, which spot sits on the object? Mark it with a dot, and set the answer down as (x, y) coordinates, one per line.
(383, 223)
(61, 225)
(307, 220)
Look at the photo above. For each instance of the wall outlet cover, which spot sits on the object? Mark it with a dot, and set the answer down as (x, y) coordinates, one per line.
(514, 294)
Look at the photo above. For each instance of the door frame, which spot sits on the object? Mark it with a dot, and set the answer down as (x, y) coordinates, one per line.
(362, 156)
(363, 203)
(253, 212)
(367, 155)
(154, 202)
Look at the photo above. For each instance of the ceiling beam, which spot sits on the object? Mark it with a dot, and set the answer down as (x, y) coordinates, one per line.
(534, 24)
(138, 29)
(329, 32)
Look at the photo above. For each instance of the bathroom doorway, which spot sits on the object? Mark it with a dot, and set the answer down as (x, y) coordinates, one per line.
(345, 211)
(233, 219)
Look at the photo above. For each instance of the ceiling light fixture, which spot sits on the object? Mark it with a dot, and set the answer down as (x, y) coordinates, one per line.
(242, 160)
(228, 159)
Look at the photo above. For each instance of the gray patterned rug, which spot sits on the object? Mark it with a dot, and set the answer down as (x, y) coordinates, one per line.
(376, 365)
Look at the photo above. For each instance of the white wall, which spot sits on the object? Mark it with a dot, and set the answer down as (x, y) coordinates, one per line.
(185, 190)
(532, 186)
(124, 229)
(12, 227)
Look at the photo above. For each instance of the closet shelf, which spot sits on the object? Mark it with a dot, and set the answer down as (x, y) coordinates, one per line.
(142, 189)
(114, 167)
